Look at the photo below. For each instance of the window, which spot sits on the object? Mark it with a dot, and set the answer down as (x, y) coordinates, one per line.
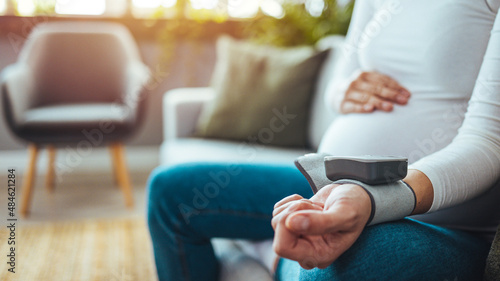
(315, 7)
(237, 8)
(3, 6)
(80, 7)
(26, 7)
(146, 8)
(153, 4)
(64, 7)
(198, 9)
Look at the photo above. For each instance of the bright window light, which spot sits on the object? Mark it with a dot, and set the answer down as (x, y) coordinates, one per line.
(81, 7)
(3, 6)
(272, 8)
(147, 3)
(169, 3)
(342, 3)
(116, 8)
(242, 8)
(26, 7)
(315, 7)
(204, 4)
(248, 9)
(151, 4)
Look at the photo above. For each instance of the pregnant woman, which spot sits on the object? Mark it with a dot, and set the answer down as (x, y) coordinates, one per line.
(411, 70)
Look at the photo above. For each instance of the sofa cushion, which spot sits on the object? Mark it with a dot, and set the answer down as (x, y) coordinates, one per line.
(186, 150)
(262, 93)
(243, 264)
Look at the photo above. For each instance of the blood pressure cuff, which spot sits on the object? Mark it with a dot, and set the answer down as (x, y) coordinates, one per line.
(312, 166)
(391, 201)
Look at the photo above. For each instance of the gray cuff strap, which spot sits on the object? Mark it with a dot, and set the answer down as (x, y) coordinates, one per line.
(390, 202)
(312, 166)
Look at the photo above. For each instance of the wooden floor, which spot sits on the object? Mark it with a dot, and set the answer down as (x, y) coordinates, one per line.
(81, 230)
(86, 250)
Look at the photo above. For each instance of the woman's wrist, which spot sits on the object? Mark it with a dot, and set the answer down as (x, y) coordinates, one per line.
(389, 202)
(366, 203)
(422, 187)
(354, 193)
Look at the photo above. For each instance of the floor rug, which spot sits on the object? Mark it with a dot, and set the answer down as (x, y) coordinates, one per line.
(94, 250)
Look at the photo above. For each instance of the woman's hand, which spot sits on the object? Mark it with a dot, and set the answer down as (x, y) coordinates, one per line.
(316, 232)
(373, 91)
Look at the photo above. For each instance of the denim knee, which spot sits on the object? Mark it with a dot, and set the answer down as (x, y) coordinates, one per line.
(168, 188)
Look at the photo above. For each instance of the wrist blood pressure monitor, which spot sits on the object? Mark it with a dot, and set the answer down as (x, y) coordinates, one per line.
(380, 176)
(368, 169)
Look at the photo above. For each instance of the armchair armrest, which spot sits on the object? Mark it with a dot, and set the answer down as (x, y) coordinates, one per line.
(16, 89)
(181, 110)
(135, 89)
(136, 78)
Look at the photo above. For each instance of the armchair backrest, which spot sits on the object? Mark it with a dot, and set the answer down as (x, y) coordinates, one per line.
(75, 62)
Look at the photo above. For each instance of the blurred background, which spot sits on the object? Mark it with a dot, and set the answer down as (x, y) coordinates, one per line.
(177, 42)
(175, 37)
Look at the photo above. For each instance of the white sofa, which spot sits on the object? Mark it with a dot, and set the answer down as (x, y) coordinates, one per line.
(181, 108)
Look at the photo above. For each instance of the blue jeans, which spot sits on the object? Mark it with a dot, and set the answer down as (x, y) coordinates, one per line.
(191, 203)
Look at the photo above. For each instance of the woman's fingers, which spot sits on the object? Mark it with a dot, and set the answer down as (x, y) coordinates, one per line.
(357, 102)
(291, 246)
(379, 78)
(358, 94)
(298, 205)
(312, 222)
(364, 97)
(388, 88)
(316, 236)
(379, 88)
(309, 251)
(376, 88)
(373, 91)
(347, 209)
(287, 199)
(292, 206)
(380, 104)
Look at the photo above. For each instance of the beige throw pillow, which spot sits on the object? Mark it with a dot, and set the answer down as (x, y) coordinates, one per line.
(263, 93)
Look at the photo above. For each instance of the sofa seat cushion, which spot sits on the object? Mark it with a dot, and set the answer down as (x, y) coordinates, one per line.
(187, 150)
(244, 260)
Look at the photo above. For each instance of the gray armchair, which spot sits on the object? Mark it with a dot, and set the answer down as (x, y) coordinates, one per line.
(75, 83)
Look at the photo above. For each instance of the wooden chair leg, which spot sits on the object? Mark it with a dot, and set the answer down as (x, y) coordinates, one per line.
(114, 160)
(49, 180)
(122, 173)
(27, 188)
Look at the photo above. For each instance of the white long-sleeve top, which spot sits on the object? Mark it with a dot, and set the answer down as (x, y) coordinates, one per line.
(447, 54)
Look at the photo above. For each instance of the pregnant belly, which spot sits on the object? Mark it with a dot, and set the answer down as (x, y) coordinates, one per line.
(415, 130)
